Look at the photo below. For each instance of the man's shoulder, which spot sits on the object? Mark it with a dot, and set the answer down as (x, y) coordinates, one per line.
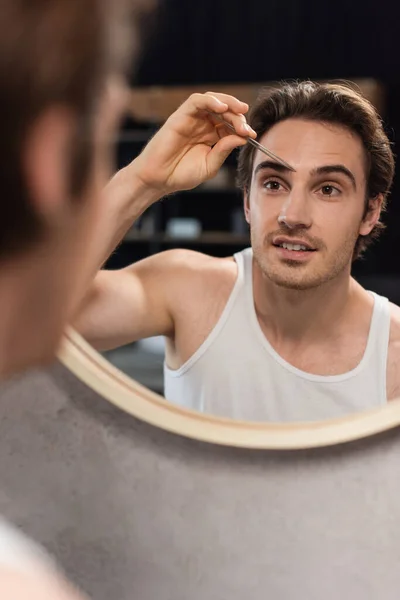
(19, 552)
(188, 266)
(188, 258)
(26, 571)
(195, 285)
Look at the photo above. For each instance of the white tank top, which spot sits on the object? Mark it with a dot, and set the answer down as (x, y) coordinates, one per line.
(236, 373)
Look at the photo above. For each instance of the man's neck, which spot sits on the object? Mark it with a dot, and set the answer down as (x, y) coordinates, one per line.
(23, 304)
(305, 315)
(8, 317)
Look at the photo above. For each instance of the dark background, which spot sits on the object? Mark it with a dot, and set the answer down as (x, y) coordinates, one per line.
(216, 41)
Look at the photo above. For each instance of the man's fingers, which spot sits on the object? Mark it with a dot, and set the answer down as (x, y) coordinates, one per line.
(218, 103)
(220, 152)
(238, 121)
(234, 104)
(234, 115)
(200, 102)
(204, 106)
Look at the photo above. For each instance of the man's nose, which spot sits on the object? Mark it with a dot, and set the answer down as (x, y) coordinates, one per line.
(296, 212)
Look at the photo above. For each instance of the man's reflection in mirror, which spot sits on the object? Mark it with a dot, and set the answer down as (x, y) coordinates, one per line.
(280, 331)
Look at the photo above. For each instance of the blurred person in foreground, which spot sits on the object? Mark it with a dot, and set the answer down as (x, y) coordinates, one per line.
(62, 93)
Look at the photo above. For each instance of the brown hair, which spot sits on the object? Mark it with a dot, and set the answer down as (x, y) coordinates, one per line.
(51, 52)
(339, 104)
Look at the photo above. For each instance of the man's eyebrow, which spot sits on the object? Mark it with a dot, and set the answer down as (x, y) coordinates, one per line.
(323, 170)
(328, 169)
(271, 164)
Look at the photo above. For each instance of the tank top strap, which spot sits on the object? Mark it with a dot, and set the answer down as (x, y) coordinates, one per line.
(378, 339)
(233, 304)
(244, 261)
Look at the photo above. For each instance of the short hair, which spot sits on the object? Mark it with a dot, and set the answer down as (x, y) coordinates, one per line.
(339, 104)
(52, 52)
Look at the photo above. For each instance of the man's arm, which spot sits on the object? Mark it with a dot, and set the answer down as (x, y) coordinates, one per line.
(141, 300)
(189, 149)
(137, 302)
(132, 303)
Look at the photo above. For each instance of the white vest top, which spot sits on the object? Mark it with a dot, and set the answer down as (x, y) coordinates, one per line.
(236, 373)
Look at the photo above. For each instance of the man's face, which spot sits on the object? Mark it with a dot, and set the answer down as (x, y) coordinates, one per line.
(304, 224)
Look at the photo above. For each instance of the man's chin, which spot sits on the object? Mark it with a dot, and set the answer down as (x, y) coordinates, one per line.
(297, 285)
(298, 279)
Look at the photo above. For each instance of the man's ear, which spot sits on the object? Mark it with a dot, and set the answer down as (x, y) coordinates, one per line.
(46, 160)
(372, 215)
(246, 204)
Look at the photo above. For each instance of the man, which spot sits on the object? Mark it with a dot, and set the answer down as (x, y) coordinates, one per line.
(62, 94)
(281, 331)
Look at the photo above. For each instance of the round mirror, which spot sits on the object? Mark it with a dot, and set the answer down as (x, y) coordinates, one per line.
(135, 399)
(242, 299)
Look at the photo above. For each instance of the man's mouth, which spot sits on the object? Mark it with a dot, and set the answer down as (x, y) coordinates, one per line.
(293, 245)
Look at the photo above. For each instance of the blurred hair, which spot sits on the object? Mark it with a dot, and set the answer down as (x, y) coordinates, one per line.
(53, 52)
(339, 104)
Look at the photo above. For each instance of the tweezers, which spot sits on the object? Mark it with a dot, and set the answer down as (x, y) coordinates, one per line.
(254, 143)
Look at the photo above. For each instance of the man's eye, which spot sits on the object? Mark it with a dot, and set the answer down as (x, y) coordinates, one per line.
(329, 190)
(272, 185)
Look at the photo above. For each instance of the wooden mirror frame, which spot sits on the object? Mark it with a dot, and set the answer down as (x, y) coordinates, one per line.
(135, 399)
(155, 104)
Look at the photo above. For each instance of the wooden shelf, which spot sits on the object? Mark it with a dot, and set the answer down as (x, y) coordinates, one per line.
(211, 189)
(207, 237)
(156, 103)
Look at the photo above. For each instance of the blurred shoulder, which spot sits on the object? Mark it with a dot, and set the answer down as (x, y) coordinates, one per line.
(27, 571)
